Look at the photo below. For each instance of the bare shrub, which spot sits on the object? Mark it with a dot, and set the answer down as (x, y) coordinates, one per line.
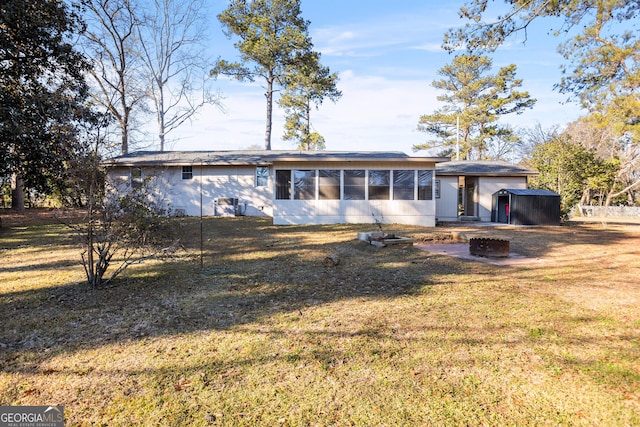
(122, 226)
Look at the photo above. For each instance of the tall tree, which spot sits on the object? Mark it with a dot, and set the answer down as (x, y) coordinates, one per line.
(306, 87)
(42, 91)
(171, 43)
(273, 41)
(111, 43)
(602, 53)
(474, 102)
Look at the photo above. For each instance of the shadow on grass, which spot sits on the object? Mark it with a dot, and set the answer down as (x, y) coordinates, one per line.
(251, 270)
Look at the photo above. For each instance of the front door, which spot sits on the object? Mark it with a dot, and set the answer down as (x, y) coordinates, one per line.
(470, 200)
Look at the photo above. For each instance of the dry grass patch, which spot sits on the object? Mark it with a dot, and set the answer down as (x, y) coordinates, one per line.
(265, 334)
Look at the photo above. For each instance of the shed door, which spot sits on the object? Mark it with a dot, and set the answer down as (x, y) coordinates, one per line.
(503, 209)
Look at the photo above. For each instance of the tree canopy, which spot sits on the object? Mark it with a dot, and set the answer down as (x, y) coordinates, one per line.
(42, 89)
(273, 41)
(474, 101)
(147, 59)
(601, 46)
(110, 40)
(306, 87)
(171, 45)
(571, 170)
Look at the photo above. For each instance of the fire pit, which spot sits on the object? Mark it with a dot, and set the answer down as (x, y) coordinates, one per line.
(489, 248)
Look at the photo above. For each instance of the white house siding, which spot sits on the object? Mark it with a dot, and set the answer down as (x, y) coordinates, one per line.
(489, 185)
(240, 183)
(169, 188)
(447, 204)
(414, 212)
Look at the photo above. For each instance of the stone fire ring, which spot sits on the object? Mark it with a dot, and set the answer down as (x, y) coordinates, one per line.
(489, 248)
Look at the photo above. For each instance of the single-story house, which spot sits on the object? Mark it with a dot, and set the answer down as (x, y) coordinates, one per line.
(292, 187)
(465, 189)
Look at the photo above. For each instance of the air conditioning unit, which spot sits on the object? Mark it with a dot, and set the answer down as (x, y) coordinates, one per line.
(226, 206)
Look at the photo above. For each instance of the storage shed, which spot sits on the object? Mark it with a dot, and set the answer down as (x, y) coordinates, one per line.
(526, 207)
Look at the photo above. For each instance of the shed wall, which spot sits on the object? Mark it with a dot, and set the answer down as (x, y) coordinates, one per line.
(535, 210)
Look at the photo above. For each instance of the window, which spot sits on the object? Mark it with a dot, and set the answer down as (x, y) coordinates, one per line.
(136, 177)
(437, 189)
(379, 187)
(425, 185)
(403, 184)
(304, 184)
(283, 184)
(354, 184)
(187, 172)
(262, 176)
(329, 184)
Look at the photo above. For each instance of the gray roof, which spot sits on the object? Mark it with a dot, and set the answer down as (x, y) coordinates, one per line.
(482, 168)
(258, 157)
(529, 192)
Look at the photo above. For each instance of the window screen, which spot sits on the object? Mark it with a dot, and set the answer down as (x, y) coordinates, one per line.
(379, 185)
(304, 184)
(403, 184)
(354, 184)
(329, 184)
(283, 184)
(425, 185)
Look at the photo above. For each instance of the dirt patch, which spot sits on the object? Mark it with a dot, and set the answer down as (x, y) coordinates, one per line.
(36, 216)
(461, 250)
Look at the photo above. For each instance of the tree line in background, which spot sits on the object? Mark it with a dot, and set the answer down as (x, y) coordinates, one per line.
(596, 159)
(76, 80)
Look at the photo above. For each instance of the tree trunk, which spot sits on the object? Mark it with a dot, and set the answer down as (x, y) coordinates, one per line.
(269, 94)
(124, 118)
(611, 195)
(331, 260)
(161, 112)
(17, 193)
(125, 136)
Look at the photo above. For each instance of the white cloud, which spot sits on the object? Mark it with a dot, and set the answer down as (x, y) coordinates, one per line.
(429, 47)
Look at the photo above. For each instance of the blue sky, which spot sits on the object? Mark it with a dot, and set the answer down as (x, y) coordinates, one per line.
(386, 54)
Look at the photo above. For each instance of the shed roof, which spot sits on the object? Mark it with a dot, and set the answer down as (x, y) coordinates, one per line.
(482, 168)
(529, 192)
(259, 157)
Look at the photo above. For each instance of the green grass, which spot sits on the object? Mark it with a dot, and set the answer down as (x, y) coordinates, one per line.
(265, 334)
